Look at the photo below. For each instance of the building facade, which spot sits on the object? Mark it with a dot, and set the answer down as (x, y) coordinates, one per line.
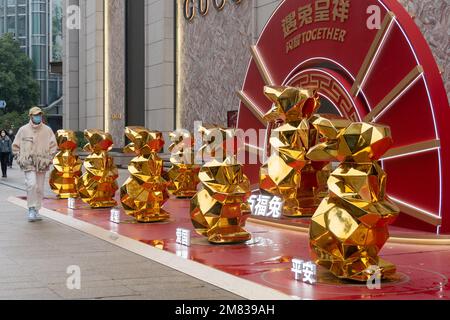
(165, 64)
(33, 24)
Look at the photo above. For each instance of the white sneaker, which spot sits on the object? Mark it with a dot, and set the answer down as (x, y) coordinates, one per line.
(32, 215)
(38, 216)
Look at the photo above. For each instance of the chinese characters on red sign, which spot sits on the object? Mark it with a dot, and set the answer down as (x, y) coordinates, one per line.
(314, 12)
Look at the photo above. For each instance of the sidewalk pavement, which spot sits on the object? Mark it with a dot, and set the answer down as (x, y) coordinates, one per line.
(34, 260)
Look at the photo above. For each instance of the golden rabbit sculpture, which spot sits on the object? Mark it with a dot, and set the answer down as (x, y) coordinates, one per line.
(145, 191)
(289, 174)
(67, 166)
(183, 175)
(219, 211)
(97, 187)
(350, 226)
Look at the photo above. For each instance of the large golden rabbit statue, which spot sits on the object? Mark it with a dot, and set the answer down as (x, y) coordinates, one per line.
(145, 191)
(350, 226)
(97, 187)
(183, 175)
(67, 166)
(219, 211)
(289, 174)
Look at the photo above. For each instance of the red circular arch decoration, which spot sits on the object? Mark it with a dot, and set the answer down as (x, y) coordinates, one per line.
(386, 75)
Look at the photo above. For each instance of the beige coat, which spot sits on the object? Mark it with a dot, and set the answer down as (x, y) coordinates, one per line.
(34, 147)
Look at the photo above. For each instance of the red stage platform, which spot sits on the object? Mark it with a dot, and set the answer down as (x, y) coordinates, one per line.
(423, 270)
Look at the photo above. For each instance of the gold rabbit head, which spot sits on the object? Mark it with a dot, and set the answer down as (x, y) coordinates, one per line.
(98, 140)
(290, 103)
(66, 140)
(350, 142)
(220, 143)
(143, 141)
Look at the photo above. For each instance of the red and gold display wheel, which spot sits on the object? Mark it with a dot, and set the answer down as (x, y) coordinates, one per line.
(385, 75)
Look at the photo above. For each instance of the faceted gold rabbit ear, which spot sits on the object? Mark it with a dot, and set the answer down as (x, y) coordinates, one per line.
(88, 135)
(134, 135)
(130, 148)
(329, 128)
(291, 103)
(325, 127)
(330, 131)
(274, 94)
(327, 151)
(88, 148)
(92, 137)
(129, 133)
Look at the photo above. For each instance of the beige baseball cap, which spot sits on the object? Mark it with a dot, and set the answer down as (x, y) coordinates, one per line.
(35, 111)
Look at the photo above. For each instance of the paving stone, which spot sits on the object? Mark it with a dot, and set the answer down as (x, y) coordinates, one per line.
(92, 292)
(34, 260)
(16, 279)
(28, 293)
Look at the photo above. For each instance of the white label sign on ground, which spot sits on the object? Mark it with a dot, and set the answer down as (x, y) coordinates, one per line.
(71, 203)
(115, 215)
(304, 271)
(184, 237)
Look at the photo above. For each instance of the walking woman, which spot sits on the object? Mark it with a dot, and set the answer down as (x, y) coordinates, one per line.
(34, 148)
(5, 151)
(11, 156)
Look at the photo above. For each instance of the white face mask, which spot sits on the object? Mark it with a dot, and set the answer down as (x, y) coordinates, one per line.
(3, 134)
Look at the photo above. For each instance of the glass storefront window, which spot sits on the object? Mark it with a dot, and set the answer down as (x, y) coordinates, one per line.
(36, 24)
(11, 24)
(29, 22)
(21, 26)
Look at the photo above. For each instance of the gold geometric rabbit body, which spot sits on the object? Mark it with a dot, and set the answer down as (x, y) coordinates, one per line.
(67, 166)
(219, 211)
(97, 187)
(145, 191)
(350, 226)
(288, 173)
(183, 175)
